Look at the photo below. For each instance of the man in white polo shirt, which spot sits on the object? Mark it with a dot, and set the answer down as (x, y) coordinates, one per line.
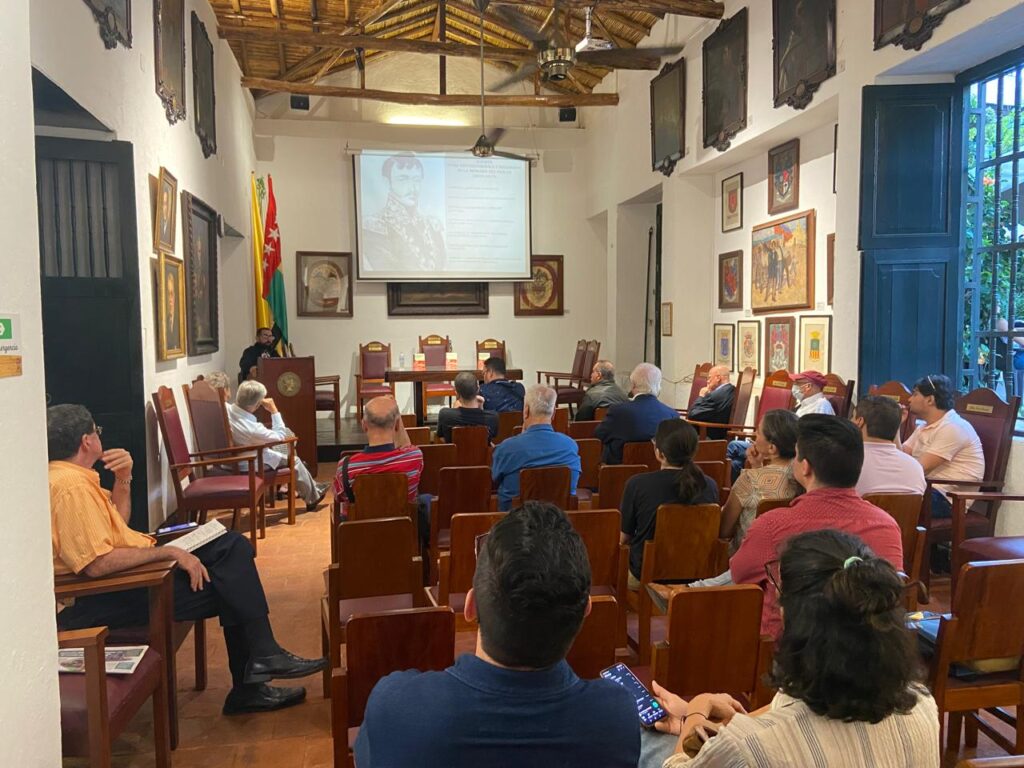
(946, 445)
(886, 468)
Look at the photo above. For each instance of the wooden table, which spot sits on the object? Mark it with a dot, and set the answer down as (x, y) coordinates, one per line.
(433, 375)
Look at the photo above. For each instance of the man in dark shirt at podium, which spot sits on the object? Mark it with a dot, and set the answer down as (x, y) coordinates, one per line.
(265, 346)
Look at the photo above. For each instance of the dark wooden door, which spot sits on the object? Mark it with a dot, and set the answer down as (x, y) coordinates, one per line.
(89, 265)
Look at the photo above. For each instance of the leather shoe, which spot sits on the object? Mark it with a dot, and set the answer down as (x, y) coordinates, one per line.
(282, 666)
(264, 698)
(321, 490)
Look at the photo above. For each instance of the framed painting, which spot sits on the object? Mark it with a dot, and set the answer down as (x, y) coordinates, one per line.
(732, 203)
(724, 352)
(438, 299)
(666, 318)
(203, 99)
(115, 21)
(165, 222)
(324, 287)
(782, 264)
(748, 345)
(910, 23)
(199, 233)
(779, 343)
(172, 336)
(730, 280)
(816, 343)
(169, 45)
(804, 33)
(830, 266)
(668, 114)
(784, 177)
(725, 82)
(544, 294)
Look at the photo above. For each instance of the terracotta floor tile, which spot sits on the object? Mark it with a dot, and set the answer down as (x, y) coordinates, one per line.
(319, 753)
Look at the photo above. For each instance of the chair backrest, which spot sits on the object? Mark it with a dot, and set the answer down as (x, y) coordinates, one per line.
(719, 471)
(839, 393)
(993, 419)
(988, 604)
(377, 644)
(418, 435)
(686, 543)
(641, 453)
(594, 646)
(207, 410)
(507, 422)
(713, 641)
(461, 490)
(711, 450)
(578, 360)
(551, 484)
(905, 509)
(741, 398)
(599, 529)
(374, 359)
(897, 391)
(492, 347)
(383, 494)
(581, 430)
(465, 529)
(589, 358)
(434, 348)
(766, 505)
(590, 462)
(700, 380)
(777, 392)
(560, 420)
(436, 457)
(408, 420)
(471, 444)
(600, 413)
(168, 417)
(375, 556)
(611, 481)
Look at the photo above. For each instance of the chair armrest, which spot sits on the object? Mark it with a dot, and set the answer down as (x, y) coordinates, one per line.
(984, 495)
(221, 451)
(742, 433)
(217, 462)
(90, 637)
(318, 380)
(143, 576)
(966, 483)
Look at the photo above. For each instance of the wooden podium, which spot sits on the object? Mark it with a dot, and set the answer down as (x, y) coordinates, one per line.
(290, 382)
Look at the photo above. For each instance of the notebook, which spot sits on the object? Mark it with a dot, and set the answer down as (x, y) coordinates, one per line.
(202, 535)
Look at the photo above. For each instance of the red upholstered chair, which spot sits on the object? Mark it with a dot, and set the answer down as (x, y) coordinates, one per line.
(777, 392)
(740, 403)
(575, 375)
(571, 388)
(491, 348)
(457, 566)
(896, 391)
(700, 380)
(203, 494)
(434, 349)
(977, 548)
(374, 360)
(473, 446)
(328, 398)
(839, 393)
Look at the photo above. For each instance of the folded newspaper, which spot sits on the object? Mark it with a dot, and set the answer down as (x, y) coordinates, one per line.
(204, 534)
(120, 660)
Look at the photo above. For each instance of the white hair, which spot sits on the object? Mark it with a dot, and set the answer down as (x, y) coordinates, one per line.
(646, 379)
(218, 380)
(250, 394)
(540, 399)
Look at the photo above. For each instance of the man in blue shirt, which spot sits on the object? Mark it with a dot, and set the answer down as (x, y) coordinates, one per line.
(637, 420)
(515, 702)
(499, 393)
(538, 446)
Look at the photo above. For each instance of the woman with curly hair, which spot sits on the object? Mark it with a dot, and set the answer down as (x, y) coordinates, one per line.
(847, 671)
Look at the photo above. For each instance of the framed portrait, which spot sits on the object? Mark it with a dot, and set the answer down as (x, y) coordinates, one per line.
(666, 318)
(544, 294)
(782, 264)
(199, 232)
(165, 222)
(732, 203)
(724, 352)
(748, 345)
(730, 280)
(169, 44)
(172, 337)
(115, 21)
(203, 98)
(668, 115)
(816, 343)
(779, 341)
(438, 299)
(784, 177)
(910, 23)
(324, 287)
(830, 266)
(804, 33)
(725, 81)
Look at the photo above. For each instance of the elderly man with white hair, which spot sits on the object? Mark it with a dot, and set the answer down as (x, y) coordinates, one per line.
(538, 446)
(637, 420)
(246, 429)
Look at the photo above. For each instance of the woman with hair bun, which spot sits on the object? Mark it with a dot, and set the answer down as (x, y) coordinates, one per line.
(847, 671)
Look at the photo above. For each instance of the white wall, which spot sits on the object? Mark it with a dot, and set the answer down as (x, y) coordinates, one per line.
(118, 87)
(29, 708)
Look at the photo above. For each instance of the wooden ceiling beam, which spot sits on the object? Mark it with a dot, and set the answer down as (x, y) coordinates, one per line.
(633, 26)
(707, 9)
(509, 69)
(619, 42)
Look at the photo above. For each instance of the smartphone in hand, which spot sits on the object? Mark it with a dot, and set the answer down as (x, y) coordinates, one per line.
(648, 710)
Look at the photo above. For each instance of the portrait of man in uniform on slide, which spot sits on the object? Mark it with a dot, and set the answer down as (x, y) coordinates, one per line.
(400, 237)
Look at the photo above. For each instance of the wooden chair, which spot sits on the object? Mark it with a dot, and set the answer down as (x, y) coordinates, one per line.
(641, 453)
(384, 494)
(685, 547)
(897, 391)
(550, 484)
(711, 450)
(767, 505)
(436, 457)
(590, 463)
(986, 622)
(409, 421)
(374, 360)
(575, 374)
(776, 392)
(740, 403)
(713, 642)
(594, 646)
(560, 420)
(434, 349)
(507, 422)
(492, 348)
(204, 494)
(719, 471)
(570, 389)
(461, 490)
(379, 644)
(95, 708)
(992, 762)
(701, 372)
(600, 413)
(905, 509)
(609, 560)
(455, 568)
(378, 568)
(611, 482)
(473, 446)
(975, 548)
(581, 430)
(418, 435)
(839, 393)
(328, 398)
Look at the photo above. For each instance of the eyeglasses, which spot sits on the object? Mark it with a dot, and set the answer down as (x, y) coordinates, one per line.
(98, 430)
(479, 542)
(771, 570)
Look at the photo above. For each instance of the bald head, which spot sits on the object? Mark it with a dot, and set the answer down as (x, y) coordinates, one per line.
(645, 380)
(380, 414)
(603, 370)
(717, 376)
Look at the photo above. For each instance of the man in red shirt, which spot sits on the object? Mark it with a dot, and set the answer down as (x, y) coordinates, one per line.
(829, 454)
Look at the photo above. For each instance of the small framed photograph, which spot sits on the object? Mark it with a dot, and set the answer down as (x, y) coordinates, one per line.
(779, 344)
(732, 203)
(784, 177)
(730, 280)
(543, 295)
(816, 343)
(324, 287)
(666, 318)
(165, 222)
(172, 337)
(725, 345)
(748, 345)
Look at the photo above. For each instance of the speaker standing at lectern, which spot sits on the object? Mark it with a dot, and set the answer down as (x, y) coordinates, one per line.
(265, 346)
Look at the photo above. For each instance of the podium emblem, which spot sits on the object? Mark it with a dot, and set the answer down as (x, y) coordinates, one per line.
(289, 384)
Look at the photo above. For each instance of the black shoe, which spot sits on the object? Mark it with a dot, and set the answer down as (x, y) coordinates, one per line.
(265, 698)
(321, 490)
(281, 666)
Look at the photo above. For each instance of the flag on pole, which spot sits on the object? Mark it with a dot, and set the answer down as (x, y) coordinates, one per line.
(262, 308)
(273, 279)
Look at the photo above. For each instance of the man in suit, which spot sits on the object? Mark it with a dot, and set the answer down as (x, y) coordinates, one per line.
(636, 420)
(715, 401)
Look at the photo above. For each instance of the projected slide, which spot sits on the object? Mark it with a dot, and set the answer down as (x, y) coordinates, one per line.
(441, 216)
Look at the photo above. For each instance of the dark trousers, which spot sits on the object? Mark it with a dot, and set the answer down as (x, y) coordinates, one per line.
(234, 594)
(942, 509)
(736, 453)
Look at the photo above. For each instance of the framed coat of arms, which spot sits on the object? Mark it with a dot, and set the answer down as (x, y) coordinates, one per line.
(544, 294)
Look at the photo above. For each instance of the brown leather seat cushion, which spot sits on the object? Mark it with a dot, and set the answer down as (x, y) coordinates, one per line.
(569, 395)
(125, 694)
(349, 608)
(373, 389)
(226, 487)
(325, 400)
(994, 548)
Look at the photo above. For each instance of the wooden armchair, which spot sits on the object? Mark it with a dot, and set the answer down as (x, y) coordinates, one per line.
(328, 398)
(95, 708)
(434, 349)
(491, 348)
(897, 391)
(701, 372)
(550, 484)
(776, 392)
(203, 494)
(575, 374)
(740, 403)
(594, 646)
(571, 387)
(905, 509)
(609, 560)
(456, 567)
(969, 549)
(436, 457)
(839, 394)
(379, 644)
(611, 482)
(473, 446)
(374, 360)
(461, 490)
(641, 453)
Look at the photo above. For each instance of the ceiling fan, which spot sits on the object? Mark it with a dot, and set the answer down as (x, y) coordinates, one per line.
(485, 144)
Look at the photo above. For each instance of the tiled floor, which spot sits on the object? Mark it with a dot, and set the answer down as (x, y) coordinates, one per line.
(291, 562)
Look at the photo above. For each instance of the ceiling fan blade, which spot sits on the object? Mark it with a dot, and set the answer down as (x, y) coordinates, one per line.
(520, 26)
(619, 58)
(510, 156)
(524, 73)
(495, 136)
